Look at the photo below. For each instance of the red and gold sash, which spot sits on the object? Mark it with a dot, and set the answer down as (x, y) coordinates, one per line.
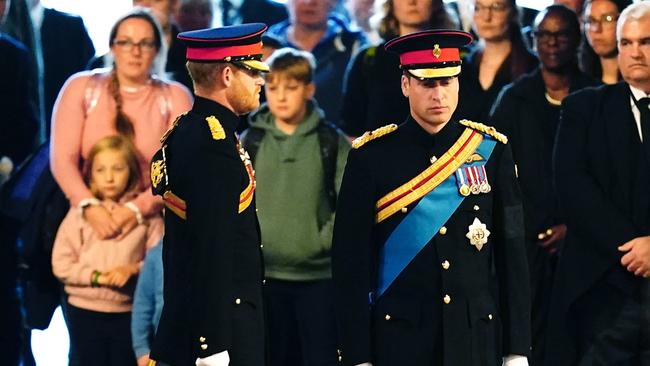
(430, 178)
(246, 197)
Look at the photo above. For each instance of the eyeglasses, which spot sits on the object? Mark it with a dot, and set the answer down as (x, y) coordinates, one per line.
(606, 20)
(546, 36)
(493, 8)
(128, 45)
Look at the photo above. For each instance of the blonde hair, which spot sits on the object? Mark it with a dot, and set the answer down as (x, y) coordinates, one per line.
(124, 146)
(293, 64)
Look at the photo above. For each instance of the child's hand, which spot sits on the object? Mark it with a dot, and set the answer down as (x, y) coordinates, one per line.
(118, 277)
(125, 219)
(143, 360)
(100, 220)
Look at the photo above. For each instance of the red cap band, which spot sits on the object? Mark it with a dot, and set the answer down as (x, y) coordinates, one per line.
(220, 53)
(428, 56)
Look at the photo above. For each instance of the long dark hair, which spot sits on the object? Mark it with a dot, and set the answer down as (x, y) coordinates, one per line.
(588, 59)
(123, 123)
(519, 54)
(389, 26)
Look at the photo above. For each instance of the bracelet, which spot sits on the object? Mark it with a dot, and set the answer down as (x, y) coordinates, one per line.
(138, 215)
(85, 203)
(94, 279)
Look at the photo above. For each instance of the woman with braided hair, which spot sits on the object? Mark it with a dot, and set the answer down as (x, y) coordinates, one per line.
(122, 100)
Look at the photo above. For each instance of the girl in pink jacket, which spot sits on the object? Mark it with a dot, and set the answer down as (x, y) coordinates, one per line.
(100, 274)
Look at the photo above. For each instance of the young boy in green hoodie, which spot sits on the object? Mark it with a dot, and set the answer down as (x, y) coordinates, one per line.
(299, 160)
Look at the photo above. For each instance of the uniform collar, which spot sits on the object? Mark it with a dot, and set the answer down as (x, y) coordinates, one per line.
(207, 107)
(417, 135)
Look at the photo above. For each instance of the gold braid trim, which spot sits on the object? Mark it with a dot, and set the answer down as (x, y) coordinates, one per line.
(169, 131)
(489, 130)
(371, 135)
(216, 129)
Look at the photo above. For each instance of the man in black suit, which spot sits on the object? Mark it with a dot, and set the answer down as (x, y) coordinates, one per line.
(428, 256)
(212, 259)
(602, 173)
(61, 47)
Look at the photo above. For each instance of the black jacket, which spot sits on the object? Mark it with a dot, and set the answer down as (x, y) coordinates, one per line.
(602, 178)
(67, 48)
(487, 316)
(212, 258)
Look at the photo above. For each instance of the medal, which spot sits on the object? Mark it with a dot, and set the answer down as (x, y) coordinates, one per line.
(485, 186)
(461, 180)
(478, 234)
(475, 185)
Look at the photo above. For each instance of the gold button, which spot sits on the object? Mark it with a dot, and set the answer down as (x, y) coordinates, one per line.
(490, 316)
(476, 208)
(340, 358)
(443, 230)
(204, 347)
(404, 209)
(261, 245)
(201, 339)
(263, 282)
(541, 236)
(446, 299)
(433, 159)
(387, 317)
(445, 265)
(257, 210)
(237, 301)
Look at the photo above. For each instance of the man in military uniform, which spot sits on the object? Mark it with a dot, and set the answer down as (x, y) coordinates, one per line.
(429, 261)
(211, 255)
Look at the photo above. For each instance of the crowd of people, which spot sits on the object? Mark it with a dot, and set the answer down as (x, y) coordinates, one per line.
(290, 105)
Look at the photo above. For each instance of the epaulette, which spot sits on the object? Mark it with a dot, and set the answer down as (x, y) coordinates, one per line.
(371, 135)
(216, 129)
(485, 129)
(169, 131)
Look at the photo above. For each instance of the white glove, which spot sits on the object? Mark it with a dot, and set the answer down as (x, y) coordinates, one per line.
(217, 359)
(365, 364)
(515, 360)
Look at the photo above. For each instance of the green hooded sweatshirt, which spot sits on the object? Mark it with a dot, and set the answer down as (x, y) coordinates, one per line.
(295, 216)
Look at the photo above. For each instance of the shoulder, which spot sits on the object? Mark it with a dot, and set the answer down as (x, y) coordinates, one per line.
(485, 130)
(63, 17)
(590, 95)
(369, 136)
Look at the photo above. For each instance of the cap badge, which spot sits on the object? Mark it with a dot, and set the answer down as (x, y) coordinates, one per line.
(478, 234)
(436, 51)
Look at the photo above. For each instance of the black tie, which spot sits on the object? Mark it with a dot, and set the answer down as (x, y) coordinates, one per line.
(643, 104)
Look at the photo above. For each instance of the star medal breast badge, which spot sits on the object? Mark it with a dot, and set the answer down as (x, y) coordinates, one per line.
(478, 234)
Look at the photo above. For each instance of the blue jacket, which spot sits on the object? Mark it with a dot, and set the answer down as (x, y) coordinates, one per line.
(332, 53)
(147, 302)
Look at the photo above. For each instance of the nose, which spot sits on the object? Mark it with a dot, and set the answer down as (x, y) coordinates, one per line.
(436, 93)
(136, 49)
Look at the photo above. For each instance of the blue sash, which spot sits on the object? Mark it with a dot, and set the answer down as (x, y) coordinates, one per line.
(422, 224)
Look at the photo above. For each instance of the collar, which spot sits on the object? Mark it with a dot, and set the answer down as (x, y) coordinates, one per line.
(417, 135)
(637, 93)
(207, 107)
(37, 13)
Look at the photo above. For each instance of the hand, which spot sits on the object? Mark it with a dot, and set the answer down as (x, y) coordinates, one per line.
(550, 241)
(125, 219)
(515, 360)
(217, 359)
(101, 221)
(118, 277)
(365, 364)
(637, 258)
(143, 360)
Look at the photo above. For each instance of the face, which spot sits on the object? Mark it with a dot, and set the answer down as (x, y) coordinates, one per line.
(310, 13)
(600, 26)
(491, 19)
(244, 91)
(361, 10)
(194, 15)
(634, 53)
(556, 45)
(162, 9)
(575, 5)
(134, 50)
(287, 98)
(432, 101)
(110, 174)
(413, 13)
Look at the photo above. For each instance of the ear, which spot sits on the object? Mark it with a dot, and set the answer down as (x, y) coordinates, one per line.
(405, 85)
(227, 76)
(310, 90)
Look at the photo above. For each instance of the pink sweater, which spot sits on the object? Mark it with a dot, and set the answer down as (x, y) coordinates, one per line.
(76, 127)
(78, 252)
